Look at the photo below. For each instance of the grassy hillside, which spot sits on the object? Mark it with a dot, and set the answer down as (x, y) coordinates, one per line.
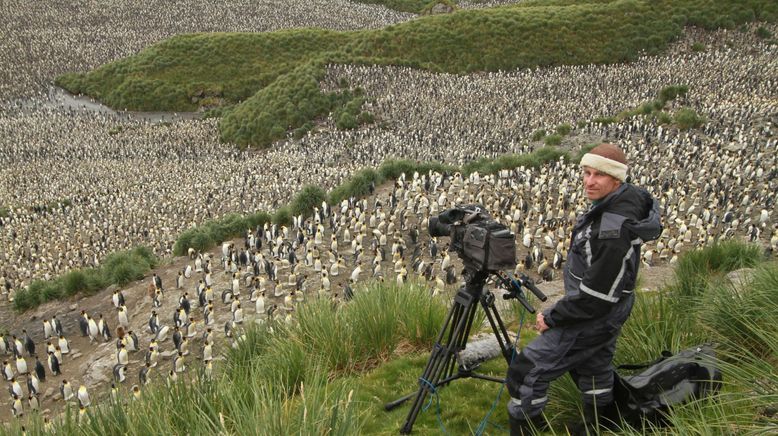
(266, 84)
(332, 371)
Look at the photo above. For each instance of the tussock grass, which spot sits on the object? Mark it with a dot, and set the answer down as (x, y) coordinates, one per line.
(692, 274)
(195, 405)
(308, 198)
(333, 371)
(686, 118)
(510, 161)
(118, 268)
(742, 317)
(359, 334)
(268, 83)
(656, 324)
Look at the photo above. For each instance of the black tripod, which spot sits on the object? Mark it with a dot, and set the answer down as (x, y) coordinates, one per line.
(444, 358)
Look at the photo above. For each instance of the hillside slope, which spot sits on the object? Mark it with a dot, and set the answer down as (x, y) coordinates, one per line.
(267, 84)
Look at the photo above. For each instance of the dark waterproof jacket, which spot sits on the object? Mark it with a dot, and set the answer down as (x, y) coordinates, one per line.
(604, 255)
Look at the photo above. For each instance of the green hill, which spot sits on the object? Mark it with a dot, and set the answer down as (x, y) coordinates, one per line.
(266, 84)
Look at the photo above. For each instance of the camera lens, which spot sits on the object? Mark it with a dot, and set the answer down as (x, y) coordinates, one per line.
(437, 228)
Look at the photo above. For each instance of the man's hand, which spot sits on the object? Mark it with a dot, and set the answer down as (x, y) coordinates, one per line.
(540, 322)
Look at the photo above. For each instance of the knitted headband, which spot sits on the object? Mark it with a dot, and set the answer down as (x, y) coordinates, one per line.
(608, 159)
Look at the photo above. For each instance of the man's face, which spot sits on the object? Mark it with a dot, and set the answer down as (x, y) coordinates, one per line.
(597, 184)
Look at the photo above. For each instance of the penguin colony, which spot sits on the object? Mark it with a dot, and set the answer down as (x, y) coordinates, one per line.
(148, 183)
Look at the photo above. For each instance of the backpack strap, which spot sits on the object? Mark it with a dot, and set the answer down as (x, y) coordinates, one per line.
(665, 355)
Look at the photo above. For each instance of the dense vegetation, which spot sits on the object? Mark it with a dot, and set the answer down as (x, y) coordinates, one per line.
(118, 268)
(267, 84)
(332, 371)
(684, 118)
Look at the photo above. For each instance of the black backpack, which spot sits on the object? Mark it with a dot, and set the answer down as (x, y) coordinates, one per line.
(671, 380)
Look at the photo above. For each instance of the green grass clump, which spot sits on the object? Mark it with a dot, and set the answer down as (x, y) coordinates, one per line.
(564, 129)
(287, 103)
(118, 268)
(283, 216)
(124, 267)
(343, 340)
(664, 118)
(694, 269)
(196, 405)
(656, 324)
(511, 161)
(268, 83)
(605, 120)
(585, 149)
(552, 140)
(362, 183)
(309, 197)
(672, 92)
(763, 33)
(538, 135)
(687, 118)
(742, 314)
(698, 47)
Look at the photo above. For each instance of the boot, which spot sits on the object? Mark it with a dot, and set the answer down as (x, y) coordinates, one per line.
(521, 427)
(609, 416)
(596, 419)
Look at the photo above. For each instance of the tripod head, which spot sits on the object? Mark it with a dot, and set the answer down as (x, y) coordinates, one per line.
(514, 287)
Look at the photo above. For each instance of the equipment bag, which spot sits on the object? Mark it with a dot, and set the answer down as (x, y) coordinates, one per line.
(670, 380)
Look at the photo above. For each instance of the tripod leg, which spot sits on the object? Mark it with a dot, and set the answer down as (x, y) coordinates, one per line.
(442, 360)
(460, 341)
(500, 332)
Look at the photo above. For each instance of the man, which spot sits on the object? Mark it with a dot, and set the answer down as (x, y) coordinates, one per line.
(578, 334)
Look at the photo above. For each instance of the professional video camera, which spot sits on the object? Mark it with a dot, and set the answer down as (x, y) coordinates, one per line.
(486, 248)
(483, 244)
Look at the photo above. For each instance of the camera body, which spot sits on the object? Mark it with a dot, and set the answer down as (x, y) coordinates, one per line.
(483, 244)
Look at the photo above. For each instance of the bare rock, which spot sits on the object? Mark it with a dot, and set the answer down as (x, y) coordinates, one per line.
(741, 277)
(441, 8)
(99, 370)
(734, 147)
(48, 392)
(168, 354)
